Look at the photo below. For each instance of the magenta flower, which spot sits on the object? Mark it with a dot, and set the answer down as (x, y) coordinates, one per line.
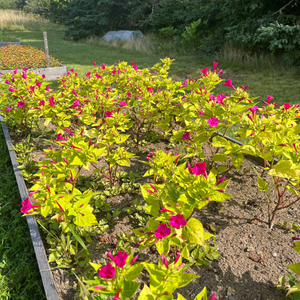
(177, 221)
(94, 63)
(26, 206)
(98, 76)
(76, 103)
(60, 137)
(133, 260)
(117, 296)
(220, 181)
(204, 71)
(186, 136)
(162, 231)
(24, 76)
(11, 89)
(215, 64)
(108, 114)
(74, 92)
(21, 104)
(43, 76)
(113, 71)
(132, 63)
(295, 238)
(177, 257)
(8, 108)
(123, 103)
(163, 209)
(32, 88)
(229, 83)
(136, 67)
(200, 169)
(119, 259)
(164, 261)
(128, 94)
(51, 101)
(61, 209)
(287, 106)
(7, 82)
(98, 287)
(25, 69)
(38, 84)
(42, 102)
(220, 99)
(213, 122)
(150, 90)
(107, 271)
(88, 74)
(253, 109)
(213, 297)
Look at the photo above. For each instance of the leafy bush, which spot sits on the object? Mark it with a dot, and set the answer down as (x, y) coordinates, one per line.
(20, 56)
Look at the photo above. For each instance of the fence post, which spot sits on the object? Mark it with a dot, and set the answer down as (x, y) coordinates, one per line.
(46, 49)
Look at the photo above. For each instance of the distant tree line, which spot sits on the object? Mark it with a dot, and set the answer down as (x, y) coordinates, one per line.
(203, 25)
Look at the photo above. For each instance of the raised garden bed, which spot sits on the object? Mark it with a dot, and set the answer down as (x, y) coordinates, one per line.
(52, 73)
(252, 257)
(4, 44)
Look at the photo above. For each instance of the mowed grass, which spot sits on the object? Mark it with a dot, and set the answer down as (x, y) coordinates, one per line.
(19, 274)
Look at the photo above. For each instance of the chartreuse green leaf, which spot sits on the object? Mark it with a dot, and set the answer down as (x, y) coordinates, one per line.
(283, 169)
(295, 268)
(129, 289)
(179, 297)
(219, 141)
(134, 272)
(193, 232)
(163, 246)
(237, 160)
(146, 294)
(295, 288)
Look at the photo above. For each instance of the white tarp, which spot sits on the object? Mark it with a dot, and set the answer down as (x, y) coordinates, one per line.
(124, 35)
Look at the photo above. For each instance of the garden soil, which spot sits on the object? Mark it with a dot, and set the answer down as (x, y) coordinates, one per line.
(252, 257)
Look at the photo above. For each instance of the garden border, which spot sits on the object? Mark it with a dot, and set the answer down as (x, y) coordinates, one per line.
(44, 268)
(51, 73)
(4, 44)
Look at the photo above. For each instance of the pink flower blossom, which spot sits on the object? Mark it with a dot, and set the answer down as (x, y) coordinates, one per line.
(162, 231)
(287, 106)
(177, 221)
(61, 209)
(7, 82)
(136, 67)
(42, 102)
(163, 209)
(38, 84)
(94, 63)
(177, 257)
(213, 122)
(74, 92)
(76, 103)
(220, 181)
(32, 88)
(117, 296)
(215, 64)
(150, 89)
(25, 69)
(123, 103)
(119, 259)
(60, 137)
(132, 63)
(108, 114)
(133, 260)
(213, 297)
(253, 109)
(186, 136)
(200, 169)
(164, 261)
(113, 71)
(26, 206)
(21, 104)
(204, 71)
(128, 94)
(98, 287)
(229, 83)
(43, 76)
(220, 99)
(107, 271)
(8, 108)
(24, 76)
(51, 101)
(185, 83)
(11, 89)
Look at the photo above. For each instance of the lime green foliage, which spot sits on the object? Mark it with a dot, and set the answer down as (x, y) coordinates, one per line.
(19, 275)
(294, 291)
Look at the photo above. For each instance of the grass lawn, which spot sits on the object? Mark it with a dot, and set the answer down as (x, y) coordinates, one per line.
(278, 81)
(19, 274)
